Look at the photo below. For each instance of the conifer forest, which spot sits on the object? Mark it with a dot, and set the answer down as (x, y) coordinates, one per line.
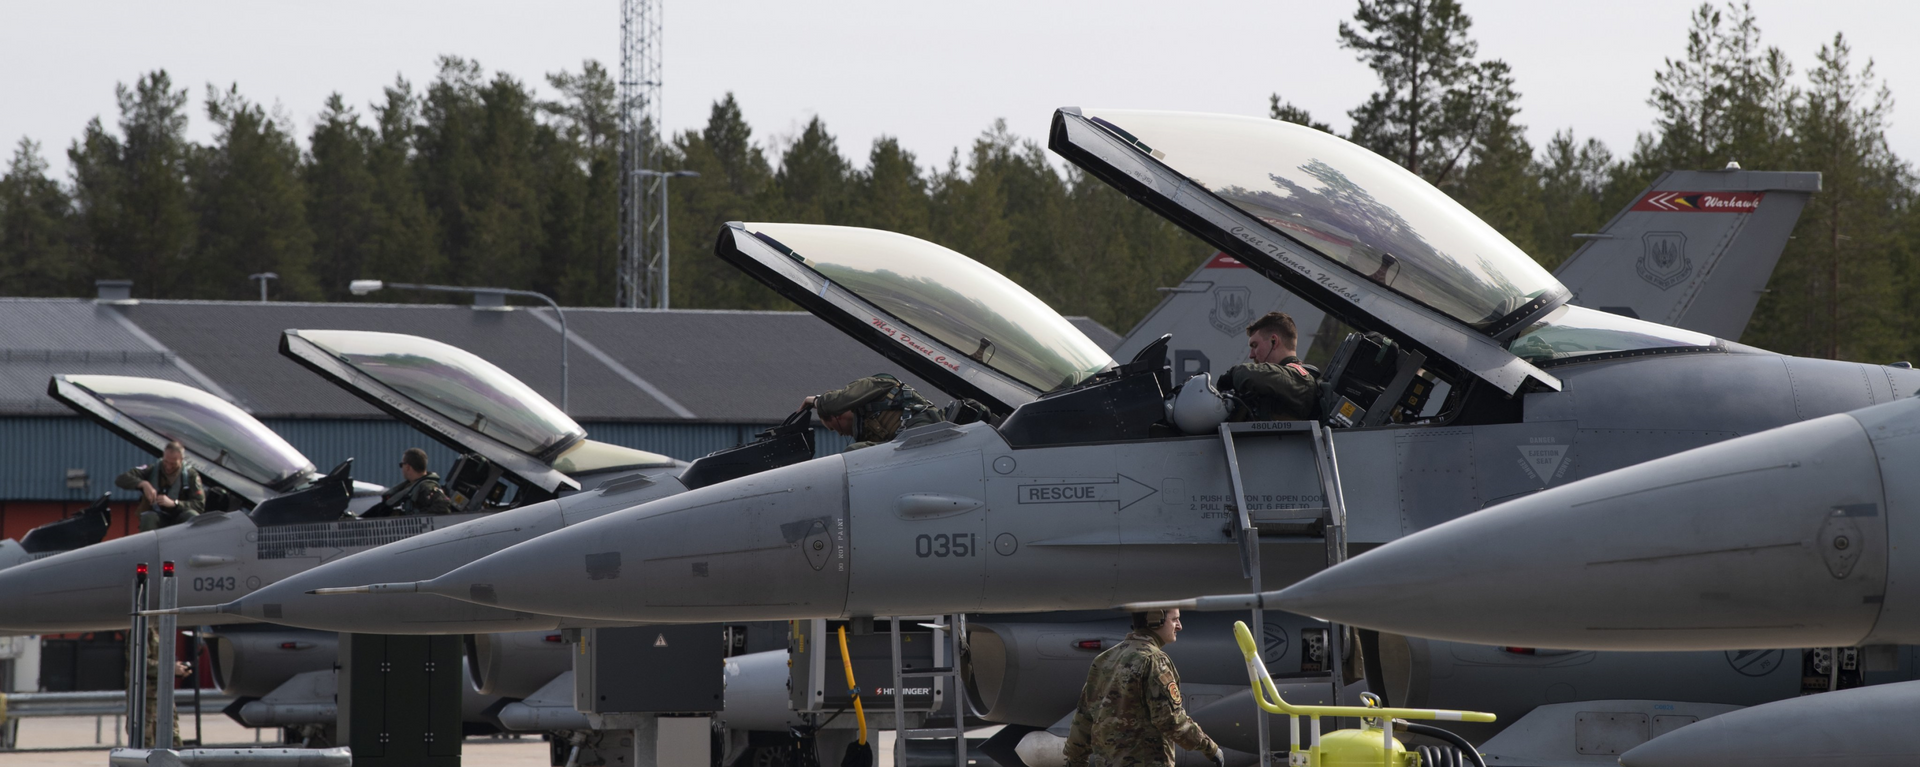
(476, 178)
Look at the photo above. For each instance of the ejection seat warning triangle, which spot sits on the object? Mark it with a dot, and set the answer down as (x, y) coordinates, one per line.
(660, 640)
(1543, 460)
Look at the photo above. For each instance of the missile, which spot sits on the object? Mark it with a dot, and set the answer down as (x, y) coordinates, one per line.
(1807, 535)
(1861, 727)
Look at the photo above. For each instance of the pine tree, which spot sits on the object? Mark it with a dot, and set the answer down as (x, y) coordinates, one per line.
(36, 229)
(340, 197)
(583, 169)
(131, 191)
(404, 242)
(1287, 112)
(812, 183)
(735, 184)
(1725, 101)
(1574, 177)
(251, 205)
(1501, 186)
(891, 192)
(1434, 100)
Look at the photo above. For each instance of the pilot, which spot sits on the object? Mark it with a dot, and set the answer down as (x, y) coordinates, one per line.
(873, 409)
(1272, 385)
(420, 491)
(170, 491)
(1130, 713)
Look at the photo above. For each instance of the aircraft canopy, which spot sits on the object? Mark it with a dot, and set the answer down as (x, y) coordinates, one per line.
(456, 384)
(1576, 331)
(212, 429)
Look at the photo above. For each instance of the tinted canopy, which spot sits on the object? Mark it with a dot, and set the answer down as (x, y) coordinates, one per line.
(1576, 331)
(1348, 204)
(949, 298)
(212, 429)
(456, 384)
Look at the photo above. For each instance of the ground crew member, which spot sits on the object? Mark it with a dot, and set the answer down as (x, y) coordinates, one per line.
(420, 492)
(151, 665)
(170, 491)
(1272, 385)
(873, 409)
(1130, 713)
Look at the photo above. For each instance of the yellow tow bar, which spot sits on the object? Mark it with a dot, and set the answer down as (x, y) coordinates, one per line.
(1372, 744)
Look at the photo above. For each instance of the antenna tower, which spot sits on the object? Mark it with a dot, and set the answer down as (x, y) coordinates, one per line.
(643, 263)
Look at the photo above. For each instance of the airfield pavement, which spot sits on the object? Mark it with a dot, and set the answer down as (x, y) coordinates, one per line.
(69, 742)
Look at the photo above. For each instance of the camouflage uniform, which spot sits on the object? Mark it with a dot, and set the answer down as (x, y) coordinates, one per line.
(154, 686)
(189, 494)
(1269, 391)
(421, 496)
(1130, 713)
(881, 406)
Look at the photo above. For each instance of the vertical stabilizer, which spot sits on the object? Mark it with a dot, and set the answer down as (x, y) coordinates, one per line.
(1693, 251)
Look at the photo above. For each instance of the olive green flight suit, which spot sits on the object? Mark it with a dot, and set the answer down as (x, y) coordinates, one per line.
(1269, 391)
(421, 496)
(882, 406)
(189, 494)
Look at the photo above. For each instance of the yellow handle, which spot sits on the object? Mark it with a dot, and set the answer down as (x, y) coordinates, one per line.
(1268, 696)
(858, 712)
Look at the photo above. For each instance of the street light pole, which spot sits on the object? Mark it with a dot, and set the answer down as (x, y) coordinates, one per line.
(363, 287)
(666, 256)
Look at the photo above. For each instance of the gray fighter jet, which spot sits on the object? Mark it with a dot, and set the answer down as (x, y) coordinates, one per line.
(1694, 251)
(1801, 536)
(1046, 510)
(243, 462)
(520, 448)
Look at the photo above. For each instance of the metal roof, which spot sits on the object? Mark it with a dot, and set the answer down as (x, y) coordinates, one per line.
(625, 365)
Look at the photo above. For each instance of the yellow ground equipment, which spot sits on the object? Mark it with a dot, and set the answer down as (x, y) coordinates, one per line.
(1372, 744)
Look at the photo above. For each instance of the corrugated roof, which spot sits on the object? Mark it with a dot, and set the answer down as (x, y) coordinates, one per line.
(667, 366)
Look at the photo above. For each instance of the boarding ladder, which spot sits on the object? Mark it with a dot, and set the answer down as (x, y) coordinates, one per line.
(1254, 520)
(946, 668)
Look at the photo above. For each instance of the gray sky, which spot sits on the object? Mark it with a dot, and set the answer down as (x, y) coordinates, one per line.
(934, 75)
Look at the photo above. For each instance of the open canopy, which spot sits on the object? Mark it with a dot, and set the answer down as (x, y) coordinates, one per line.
(464, 401)
(948, 318)
(228, 446)
(1348, 230)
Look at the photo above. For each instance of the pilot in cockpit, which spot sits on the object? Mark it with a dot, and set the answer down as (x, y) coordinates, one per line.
(1273, 384)
(873, 410)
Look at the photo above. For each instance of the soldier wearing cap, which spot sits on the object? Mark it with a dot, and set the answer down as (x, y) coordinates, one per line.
(873, 410)
(170, 491)
(1130, 713)
(1273, 385)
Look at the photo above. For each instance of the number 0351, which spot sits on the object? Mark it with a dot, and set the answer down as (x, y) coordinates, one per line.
(947, 545)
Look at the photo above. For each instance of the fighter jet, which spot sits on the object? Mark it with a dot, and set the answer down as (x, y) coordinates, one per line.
(1794, 537)
(1693, 250)
(243, 462)
(519, 448)
(1442, 297)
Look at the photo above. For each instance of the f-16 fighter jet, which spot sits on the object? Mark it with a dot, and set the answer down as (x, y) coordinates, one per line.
(519, 447)
(1051, 506)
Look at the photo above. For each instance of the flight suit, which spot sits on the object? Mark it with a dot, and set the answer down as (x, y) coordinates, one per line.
(1269, 391)
(1130, 713)
(189, 494)
(881, 405)
(421, 496)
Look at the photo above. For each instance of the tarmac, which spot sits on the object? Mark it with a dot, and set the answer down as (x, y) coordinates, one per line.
(70, 742)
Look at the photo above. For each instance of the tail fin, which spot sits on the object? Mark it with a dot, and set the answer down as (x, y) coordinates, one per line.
(1693, 251)
(1208, 314)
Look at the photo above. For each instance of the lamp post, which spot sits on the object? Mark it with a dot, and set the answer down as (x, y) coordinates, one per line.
(263, 277)
(666, 256)
(363, 287)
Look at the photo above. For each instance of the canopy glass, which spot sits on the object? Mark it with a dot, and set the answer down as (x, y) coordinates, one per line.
(456, 384)
(1348, 204)
(212, 429)
(1576, 331)
(951, 298)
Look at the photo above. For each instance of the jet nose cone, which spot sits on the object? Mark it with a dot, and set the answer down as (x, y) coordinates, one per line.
(1777, 539)
(86, 589)
(768, 546)
(1863, 727)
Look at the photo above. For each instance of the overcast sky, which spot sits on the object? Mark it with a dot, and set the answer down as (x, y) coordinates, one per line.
(934, 75)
